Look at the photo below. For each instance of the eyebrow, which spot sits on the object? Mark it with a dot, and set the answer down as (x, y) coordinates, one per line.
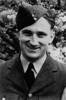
(41, 33)
(27, 31)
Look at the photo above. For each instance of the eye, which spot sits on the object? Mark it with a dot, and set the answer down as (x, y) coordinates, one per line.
(27, 32)
(41, 34)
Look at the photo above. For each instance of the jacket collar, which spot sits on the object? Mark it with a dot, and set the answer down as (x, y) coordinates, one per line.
(46, 75)
(44, 78)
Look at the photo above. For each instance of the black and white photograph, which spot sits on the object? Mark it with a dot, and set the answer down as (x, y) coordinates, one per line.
(32, 49)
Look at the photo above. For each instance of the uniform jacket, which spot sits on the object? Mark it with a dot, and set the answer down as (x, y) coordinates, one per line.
(48, 85)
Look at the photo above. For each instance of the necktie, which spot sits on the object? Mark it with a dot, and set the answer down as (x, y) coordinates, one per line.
(29, 75)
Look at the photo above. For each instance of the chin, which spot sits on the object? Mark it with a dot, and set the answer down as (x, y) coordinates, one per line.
(33, 57)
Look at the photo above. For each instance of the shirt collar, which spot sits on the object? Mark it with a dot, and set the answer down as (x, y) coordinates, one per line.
(37, 65)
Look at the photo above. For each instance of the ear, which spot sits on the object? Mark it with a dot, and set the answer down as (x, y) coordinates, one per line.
(19, 35)
(52, 36)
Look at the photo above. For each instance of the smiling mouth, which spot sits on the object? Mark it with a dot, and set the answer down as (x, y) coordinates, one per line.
(33, 49)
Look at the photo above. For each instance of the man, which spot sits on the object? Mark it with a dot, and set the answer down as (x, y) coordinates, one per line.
(47, 78)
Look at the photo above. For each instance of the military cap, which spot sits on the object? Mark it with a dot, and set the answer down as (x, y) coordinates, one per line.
(27, 15)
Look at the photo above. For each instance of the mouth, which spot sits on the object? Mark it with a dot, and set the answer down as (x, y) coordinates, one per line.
(33, 48)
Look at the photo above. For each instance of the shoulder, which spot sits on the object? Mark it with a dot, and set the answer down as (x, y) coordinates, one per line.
(60, 65)
(53, 61)
(5, 69)
(8, 64)
(56, 65)
(61, 69)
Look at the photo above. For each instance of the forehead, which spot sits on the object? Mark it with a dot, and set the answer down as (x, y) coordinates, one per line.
(41, 25)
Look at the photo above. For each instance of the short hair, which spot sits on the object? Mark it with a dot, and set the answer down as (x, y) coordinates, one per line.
(28, 15)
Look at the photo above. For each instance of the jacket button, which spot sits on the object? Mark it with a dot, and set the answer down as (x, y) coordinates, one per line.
(3, 98)
(30, 95)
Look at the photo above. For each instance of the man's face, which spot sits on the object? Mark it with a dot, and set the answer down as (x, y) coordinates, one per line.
(35, 38)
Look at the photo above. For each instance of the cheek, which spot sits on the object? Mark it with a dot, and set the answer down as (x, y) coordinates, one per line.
(24, 38)
(45, 41)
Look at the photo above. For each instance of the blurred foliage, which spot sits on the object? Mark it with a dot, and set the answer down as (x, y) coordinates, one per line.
(9, 43)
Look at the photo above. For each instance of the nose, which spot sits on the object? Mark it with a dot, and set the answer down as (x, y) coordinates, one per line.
(34, 40)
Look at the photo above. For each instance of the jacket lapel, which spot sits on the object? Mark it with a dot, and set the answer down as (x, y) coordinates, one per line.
(45, 76)
(15, 79)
